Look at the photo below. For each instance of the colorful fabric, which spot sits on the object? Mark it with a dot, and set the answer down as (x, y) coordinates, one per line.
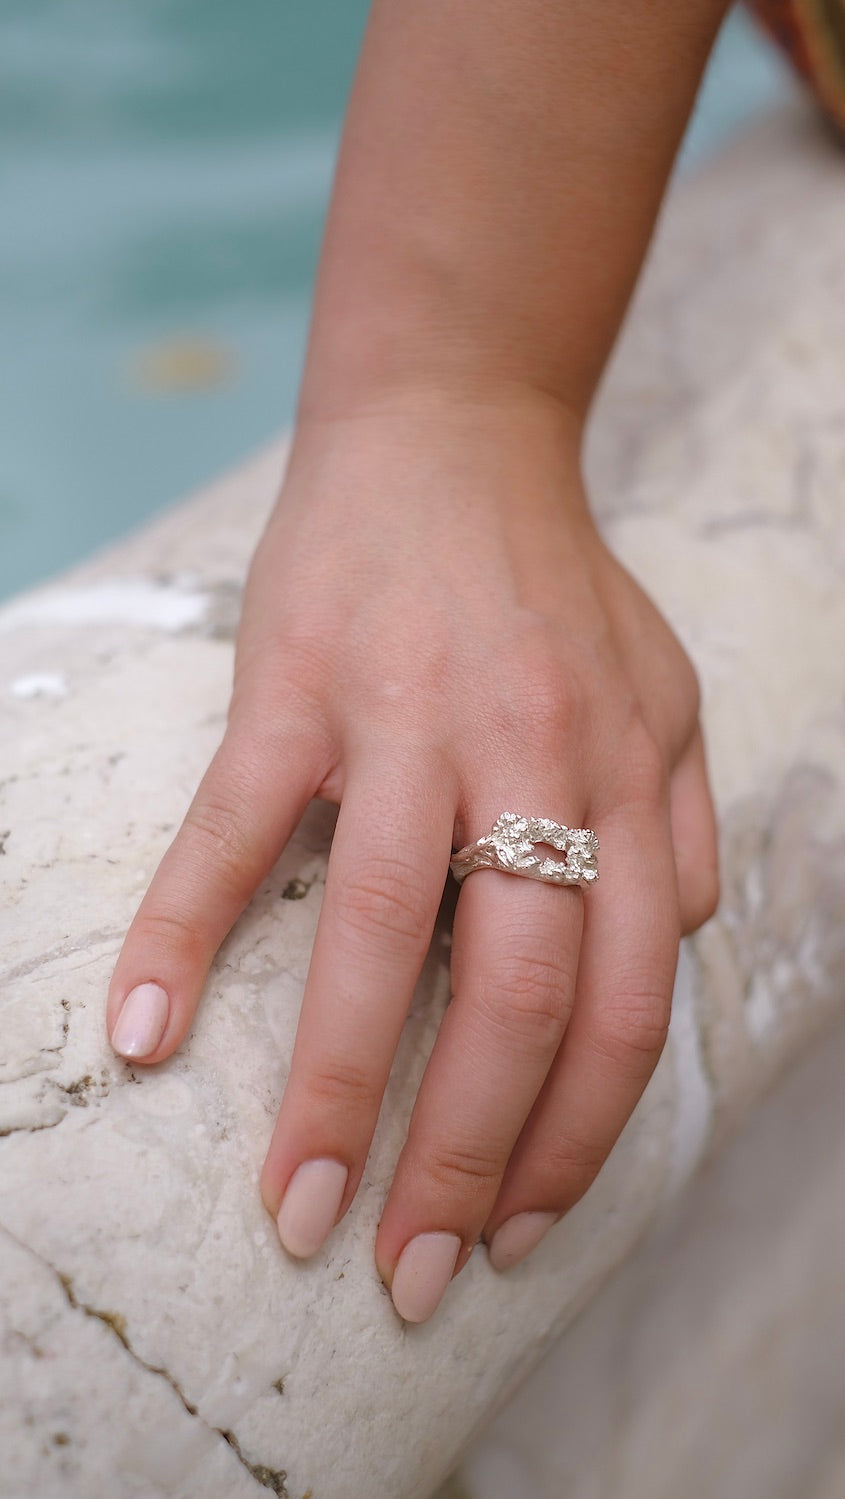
(812, 32)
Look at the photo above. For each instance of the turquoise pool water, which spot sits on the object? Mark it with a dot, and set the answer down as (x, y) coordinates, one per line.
(166, 172)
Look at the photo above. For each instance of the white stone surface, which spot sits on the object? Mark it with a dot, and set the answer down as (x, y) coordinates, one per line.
(158, 1344)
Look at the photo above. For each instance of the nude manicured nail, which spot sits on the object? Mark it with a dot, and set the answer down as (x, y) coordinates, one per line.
(423, 1271)
(517, 1237)
(310, 1206)
(141, 1022)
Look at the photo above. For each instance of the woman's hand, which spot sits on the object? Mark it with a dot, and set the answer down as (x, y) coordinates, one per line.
(434, 632)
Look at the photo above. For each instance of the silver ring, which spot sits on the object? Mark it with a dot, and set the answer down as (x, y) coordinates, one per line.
(510, 846)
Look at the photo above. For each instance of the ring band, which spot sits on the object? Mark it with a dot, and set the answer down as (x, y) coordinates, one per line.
(510, 846)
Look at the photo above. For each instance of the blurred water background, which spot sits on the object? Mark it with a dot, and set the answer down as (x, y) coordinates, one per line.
(166, 171)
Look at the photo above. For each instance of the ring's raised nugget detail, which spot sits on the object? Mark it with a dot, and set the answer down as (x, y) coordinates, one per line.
(511, 845)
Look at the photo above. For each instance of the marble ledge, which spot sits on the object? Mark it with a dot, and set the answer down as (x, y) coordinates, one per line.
(157, 1341)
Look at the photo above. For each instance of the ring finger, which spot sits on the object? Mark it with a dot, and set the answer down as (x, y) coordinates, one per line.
(621, 1014)
(515, 954)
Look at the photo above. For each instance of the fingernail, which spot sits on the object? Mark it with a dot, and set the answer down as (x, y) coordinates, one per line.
(140, 1024)
(517, 1237)
(310, 1206)
(423, 1271)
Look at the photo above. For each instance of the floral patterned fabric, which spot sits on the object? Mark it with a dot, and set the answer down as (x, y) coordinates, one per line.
(812, 32)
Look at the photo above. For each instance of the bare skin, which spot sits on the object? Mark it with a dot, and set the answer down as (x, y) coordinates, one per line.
(434, 631)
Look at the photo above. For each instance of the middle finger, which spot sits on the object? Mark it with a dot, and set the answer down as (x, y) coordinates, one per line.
(383, 888)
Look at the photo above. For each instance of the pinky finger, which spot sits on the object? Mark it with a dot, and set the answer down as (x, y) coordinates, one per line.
(694, 836)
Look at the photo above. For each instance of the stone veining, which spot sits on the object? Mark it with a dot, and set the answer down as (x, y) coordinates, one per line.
(267, 1477)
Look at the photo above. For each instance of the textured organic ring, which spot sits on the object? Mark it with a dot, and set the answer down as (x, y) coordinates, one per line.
(510, 845)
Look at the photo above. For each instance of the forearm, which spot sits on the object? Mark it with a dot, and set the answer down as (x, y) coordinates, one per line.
(501, 169)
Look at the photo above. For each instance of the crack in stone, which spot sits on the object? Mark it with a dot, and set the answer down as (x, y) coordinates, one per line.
(61, 950)
(273, 1479)
(53, 1051)
(269, 1478)
(29, 1129)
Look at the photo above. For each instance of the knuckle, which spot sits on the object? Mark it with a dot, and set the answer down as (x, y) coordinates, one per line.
(301, 656)
(548, 696)
(219, 829)
(277, 683)
(340, 1083)
(688, 687)
(552, 702)
(268, 722)
(700, 896)
(525, 1000)
(571, 1166)
(644, 771)
(172, 933)
(384, 898)
(634, 1031)
(454, 1167)
(539, 688)
(298, 689)
(709, 894)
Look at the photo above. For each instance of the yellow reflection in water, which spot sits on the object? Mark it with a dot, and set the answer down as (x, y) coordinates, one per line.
(183, 363)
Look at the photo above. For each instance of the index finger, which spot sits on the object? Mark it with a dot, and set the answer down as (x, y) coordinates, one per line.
(244, 811)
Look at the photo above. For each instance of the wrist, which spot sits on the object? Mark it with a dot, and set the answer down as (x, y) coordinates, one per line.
(445, 409)
(505, 445)
(380, 362)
